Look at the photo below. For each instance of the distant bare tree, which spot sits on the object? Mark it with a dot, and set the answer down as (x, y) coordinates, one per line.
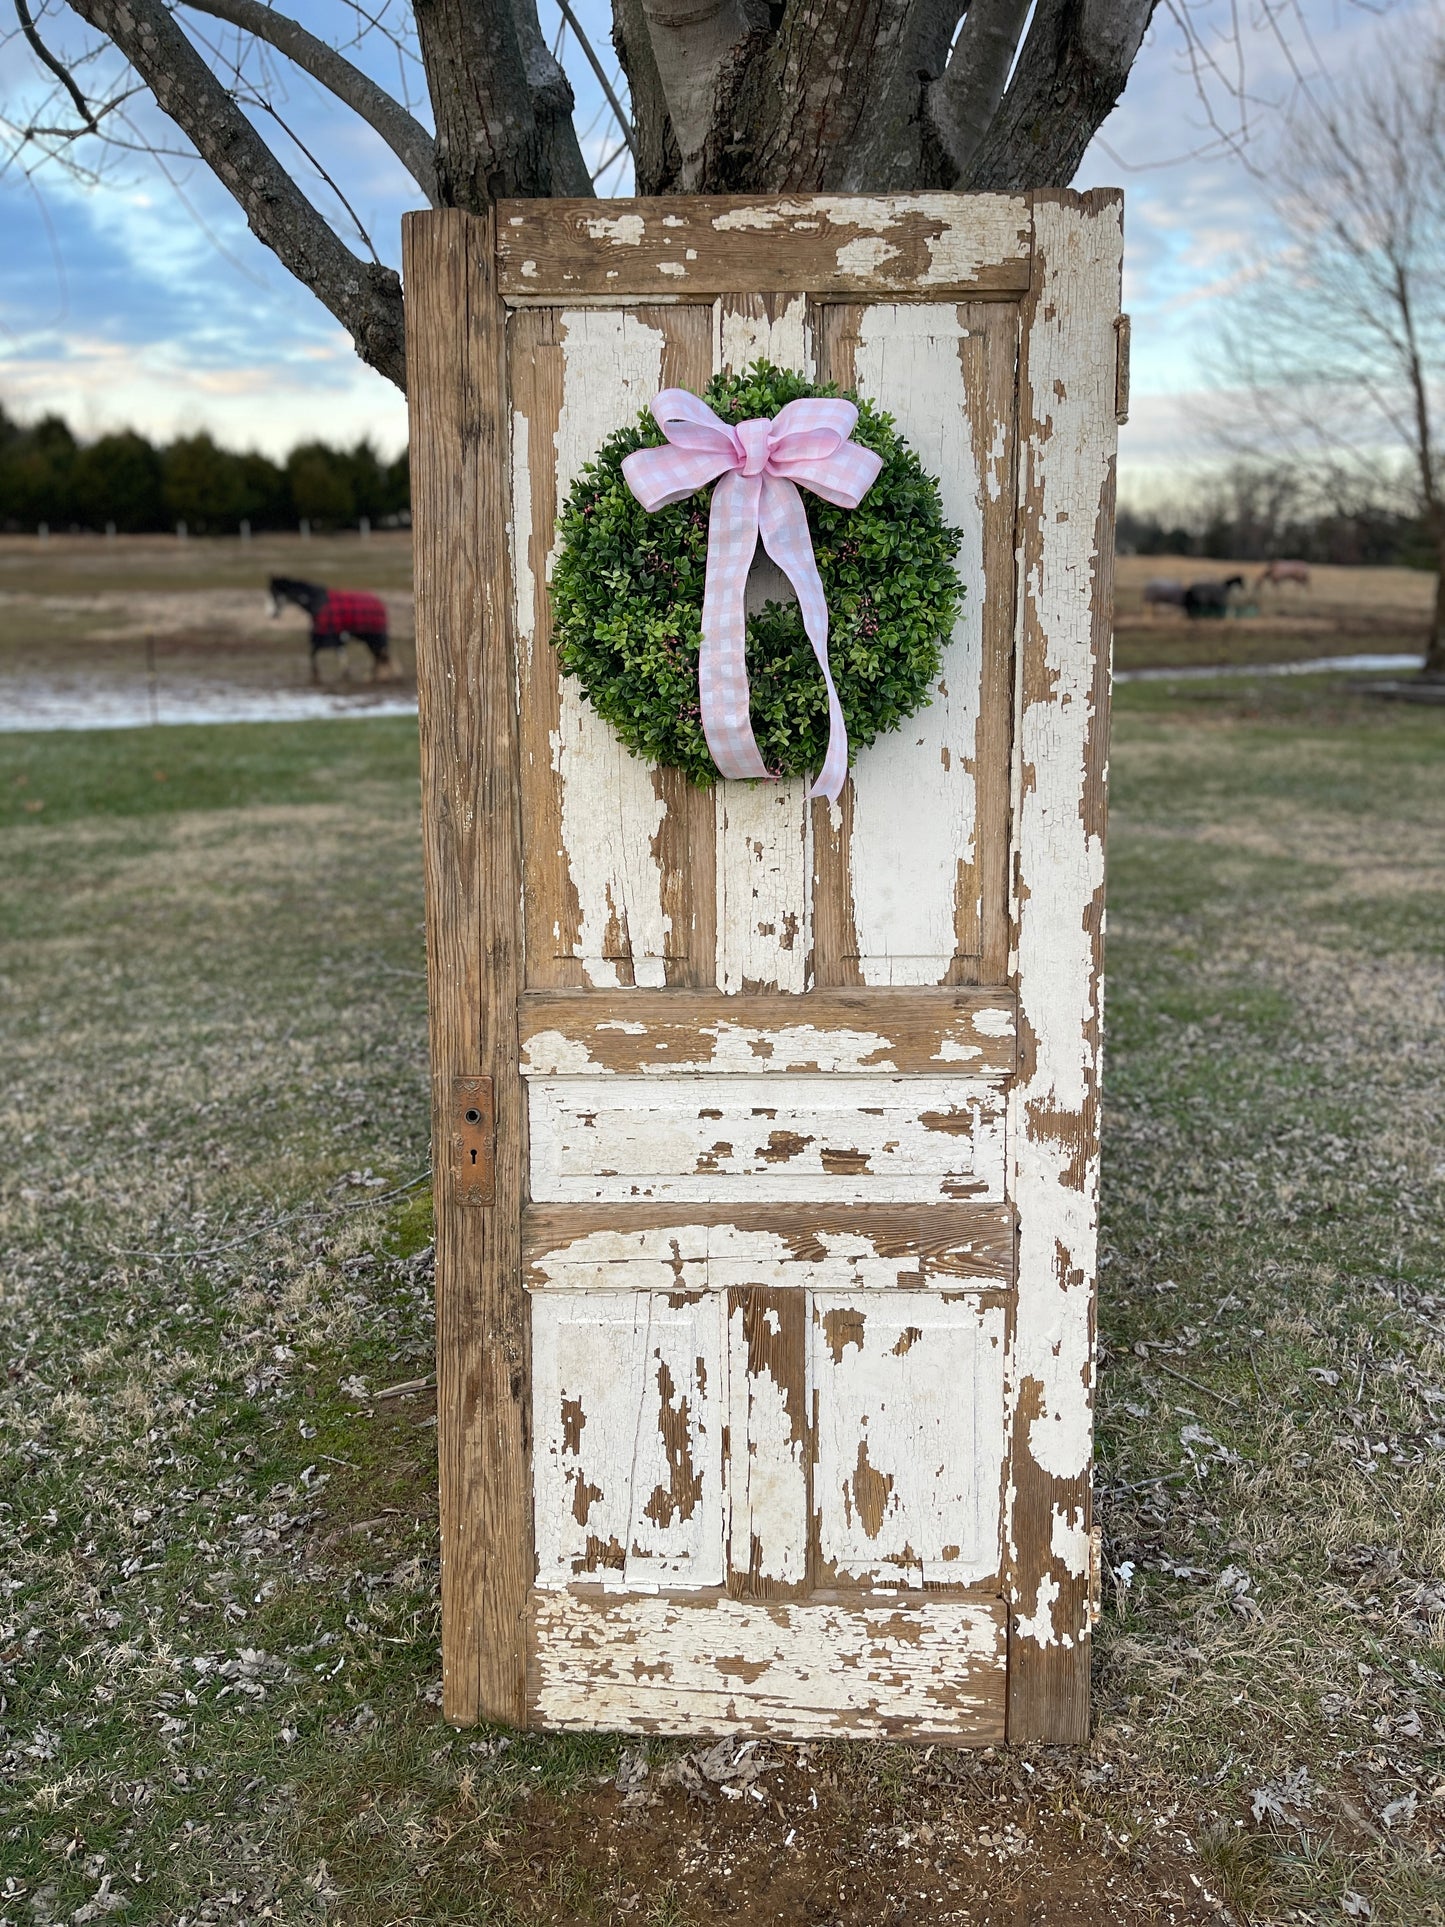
(1337, 351)
(727, 96)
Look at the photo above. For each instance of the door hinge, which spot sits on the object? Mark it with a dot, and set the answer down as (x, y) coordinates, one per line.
(473, 1141)
(1096, 1573)
(1121, 369)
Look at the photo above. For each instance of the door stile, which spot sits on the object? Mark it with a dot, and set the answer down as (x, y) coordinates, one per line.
(465, 652)
(1067, 440)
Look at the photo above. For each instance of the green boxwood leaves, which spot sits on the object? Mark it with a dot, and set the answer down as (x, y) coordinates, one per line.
(627, 599)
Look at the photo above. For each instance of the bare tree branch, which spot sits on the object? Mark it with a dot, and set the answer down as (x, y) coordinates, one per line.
(37, 131)
(963, 102)
(47, 59)
(265, 107)
(656, 162)
(896, 144)
(694, 44)
(619, 114)
(365, 298)
(403, 134)
(552, 104)
(1072, 70)
(488, 141)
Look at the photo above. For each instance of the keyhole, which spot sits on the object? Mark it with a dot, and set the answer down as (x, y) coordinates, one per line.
(474, 1117)
(474, 1157)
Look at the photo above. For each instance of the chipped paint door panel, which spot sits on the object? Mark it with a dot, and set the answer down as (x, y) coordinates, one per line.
(908, 1409)
(766, 1140)
(914, 1032)
(838, 1437)
(628, 1409)
(793, 1305)
(901, 1667)
(857, 1248)
(634, 879)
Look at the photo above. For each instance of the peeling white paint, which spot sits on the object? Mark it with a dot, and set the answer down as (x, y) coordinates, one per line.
(1070, 1541)
(610, 810)
(1038, 1625)
(742, 1049)
(914, 1669)
(910, 1442)
(963, 234)
(866, 255)
(553, 1054)
(914, 794)
(758, 220)
(623, 230)
(726, 1257)
(768, 1486)
(885, 1140)
(764, 851)
(764, 885)
(1061, 864)
(520, 534)
(628, 1405)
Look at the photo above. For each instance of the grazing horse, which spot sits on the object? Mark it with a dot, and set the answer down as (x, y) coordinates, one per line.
(1276, 572)
(1164, 589)
(1210, 598)
(338, 616)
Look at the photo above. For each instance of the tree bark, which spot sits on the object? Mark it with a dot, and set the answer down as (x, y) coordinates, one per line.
(1434, 666)
(1070, 74)
(488, 142)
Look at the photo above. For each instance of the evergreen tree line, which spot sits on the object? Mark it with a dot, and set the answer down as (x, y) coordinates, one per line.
(48, 476)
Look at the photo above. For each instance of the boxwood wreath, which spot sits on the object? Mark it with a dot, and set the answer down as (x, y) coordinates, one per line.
(627, 598)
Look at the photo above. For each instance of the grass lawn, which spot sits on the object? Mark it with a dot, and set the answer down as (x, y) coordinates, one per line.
(218, 1640)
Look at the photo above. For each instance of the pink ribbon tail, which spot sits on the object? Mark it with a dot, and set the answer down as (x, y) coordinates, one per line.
(761, 465)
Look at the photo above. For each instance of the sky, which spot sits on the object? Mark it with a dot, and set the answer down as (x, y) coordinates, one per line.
(143, 300)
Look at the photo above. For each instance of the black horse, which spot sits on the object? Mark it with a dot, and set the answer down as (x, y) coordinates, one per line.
(1210, 598)
(338, 616)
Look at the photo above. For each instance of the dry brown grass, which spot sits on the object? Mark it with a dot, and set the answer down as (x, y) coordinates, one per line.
(1342, 612)
(78, 606)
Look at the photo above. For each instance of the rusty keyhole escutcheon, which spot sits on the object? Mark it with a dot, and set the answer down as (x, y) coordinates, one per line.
(473, 1139)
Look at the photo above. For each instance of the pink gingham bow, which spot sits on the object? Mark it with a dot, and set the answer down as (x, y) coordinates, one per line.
(762, 464)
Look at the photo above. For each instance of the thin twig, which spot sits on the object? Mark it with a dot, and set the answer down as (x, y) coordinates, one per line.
(266, 108)
(1184, 1379)
(47, 59)
(624, 125)
(407, 1387)
(621, 148)
(276, 1224)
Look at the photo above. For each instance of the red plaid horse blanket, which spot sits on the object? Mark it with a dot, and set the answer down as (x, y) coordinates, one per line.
(344, 612)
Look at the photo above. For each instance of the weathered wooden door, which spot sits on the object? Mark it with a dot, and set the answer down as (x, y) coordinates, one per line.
(767, 1130)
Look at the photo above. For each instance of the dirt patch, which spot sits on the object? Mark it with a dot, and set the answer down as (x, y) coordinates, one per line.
(801, 1836)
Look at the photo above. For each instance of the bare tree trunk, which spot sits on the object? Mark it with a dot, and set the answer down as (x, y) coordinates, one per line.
(1435, 647)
